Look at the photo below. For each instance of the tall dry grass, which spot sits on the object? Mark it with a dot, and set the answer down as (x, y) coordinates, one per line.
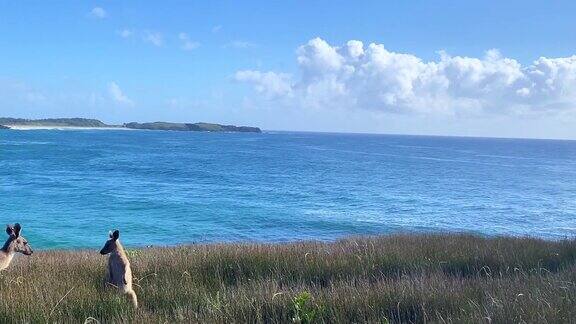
(398, 278)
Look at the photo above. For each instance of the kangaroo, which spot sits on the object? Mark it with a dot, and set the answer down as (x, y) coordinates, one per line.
(119, 271)
(15, 243)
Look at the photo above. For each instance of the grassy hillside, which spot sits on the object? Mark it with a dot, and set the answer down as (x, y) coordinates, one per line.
(400, 278)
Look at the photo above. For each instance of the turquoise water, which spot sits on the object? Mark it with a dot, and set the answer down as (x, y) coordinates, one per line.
(68, 188)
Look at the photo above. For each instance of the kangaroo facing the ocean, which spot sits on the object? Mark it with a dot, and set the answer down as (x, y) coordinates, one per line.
(15, 243)
(119, 272)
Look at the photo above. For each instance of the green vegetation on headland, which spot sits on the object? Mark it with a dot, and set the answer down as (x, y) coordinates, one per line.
(94, 123)
(449, 278)
(197, 127)
(53, 122)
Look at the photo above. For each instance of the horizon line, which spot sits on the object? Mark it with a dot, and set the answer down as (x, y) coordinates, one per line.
(335, 132)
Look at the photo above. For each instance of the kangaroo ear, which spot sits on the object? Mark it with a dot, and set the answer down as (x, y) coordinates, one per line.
(17, 229)
(9, 230)
(115, 234)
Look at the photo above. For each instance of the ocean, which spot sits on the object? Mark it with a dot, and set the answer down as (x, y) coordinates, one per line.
(68, 188)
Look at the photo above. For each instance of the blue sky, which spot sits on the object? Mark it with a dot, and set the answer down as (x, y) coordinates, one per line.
(442, 67)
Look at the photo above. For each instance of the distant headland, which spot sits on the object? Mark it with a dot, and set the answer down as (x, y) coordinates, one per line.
(196, 127)
(20, 123)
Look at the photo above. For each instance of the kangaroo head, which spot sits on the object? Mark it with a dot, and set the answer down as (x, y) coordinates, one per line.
(16, 242)
(112, 243)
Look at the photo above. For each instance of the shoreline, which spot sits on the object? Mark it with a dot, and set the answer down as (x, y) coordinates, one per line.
(556, 139)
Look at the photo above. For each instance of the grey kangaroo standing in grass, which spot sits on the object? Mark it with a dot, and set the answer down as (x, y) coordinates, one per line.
(119, 271)
(15, 243)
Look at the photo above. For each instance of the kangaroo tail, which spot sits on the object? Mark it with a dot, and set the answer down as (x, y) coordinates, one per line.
(133, 298)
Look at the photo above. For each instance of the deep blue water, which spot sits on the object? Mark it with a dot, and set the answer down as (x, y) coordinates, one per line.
(68, 188)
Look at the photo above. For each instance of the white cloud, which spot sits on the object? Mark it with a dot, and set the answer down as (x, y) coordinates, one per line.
(117, 95)
(187, 44)
(318, 57)
(154, 38)
(125, 33)
(98, 12)
(374, 78)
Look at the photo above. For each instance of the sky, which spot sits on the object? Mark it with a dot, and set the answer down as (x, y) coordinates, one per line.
(466, 68)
